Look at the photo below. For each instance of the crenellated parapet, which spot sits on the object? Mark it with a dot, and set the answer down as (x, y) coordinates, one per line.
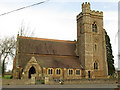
(86, 10)
(99, 13)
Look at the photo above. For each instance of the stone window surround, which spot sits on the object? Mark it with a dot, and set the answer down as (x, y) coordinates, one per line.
(76, 71)
(50, 71)
(95, 66)
(72, 72)
(94, 27)
(56, 71)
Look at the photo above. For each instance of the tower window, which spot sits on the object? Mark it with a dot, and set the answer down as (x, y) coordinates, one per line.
(94, 27)
(95, 65)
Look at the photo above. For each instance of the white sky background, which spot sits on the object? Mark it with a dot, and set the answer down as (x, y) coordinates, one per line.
(56, 19)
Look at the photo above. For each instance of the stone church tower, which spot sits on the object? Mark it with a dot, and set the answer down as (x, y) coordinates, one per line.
(91, 43)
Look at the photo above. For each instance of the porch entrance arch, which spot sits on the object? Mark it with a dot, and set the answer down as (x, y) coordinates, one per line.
(31, 71)
(32, 67)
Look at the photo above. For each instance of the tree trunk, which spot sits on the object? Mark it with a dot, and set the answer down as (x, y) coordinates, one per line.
(3, 68)
(3, 65)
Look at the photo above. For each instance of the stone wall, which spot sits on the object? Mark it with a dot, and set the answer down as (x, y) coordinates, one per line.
(86, 81)
(52, 82)
(16, 81)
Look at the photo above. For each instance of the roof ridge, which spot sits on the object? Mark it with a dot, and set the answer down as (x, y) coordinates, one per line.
(36, 38)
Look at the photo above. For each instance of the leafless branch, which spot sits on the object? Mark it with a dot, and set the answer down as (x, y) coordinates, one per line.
(7, 47)
(26, 31)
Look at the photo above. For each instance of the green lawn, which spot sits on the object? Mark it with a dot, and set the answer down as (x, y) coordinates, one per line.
(6, 77)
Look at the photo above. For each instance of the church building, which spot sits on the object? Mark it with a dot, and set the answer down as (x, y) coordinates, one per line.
(61, 59)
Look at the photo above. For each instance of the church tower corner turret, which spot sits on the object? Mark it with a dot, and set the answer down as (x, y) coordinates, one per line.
(86, 7)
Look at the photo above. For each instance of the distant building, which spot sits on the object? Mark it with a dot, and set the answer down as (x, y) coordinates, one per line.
(60, 59)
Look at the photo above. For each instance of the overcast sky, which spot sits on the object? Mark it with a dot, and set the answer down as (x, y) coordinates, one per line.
(56, 19)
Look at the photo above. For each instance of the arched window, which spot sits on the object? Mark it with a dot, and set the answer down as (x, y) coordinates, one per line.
(50, 71)
(58, 71)
(70, 72)
(95, 65)
(94, 27)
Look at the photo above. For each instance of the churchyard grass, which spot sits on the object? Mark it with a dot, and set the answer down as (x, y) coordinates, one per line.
(6, 77)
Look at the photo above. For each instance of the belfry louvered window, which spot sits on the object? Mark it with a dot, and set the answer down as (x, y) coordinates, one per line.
(94, 27)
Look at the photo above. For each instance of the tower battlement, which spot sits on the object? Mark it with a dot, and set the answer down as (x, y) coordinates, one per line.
(99, 13)
(86, 10)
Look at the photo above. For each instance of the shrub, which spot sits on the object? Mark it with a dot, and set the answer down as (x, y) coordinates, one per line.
(42, 81)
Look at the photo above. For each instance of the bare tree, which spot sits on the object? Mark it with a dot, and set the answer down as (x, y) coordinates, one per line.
(25, 31)
(8, 46)
(7, 50)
